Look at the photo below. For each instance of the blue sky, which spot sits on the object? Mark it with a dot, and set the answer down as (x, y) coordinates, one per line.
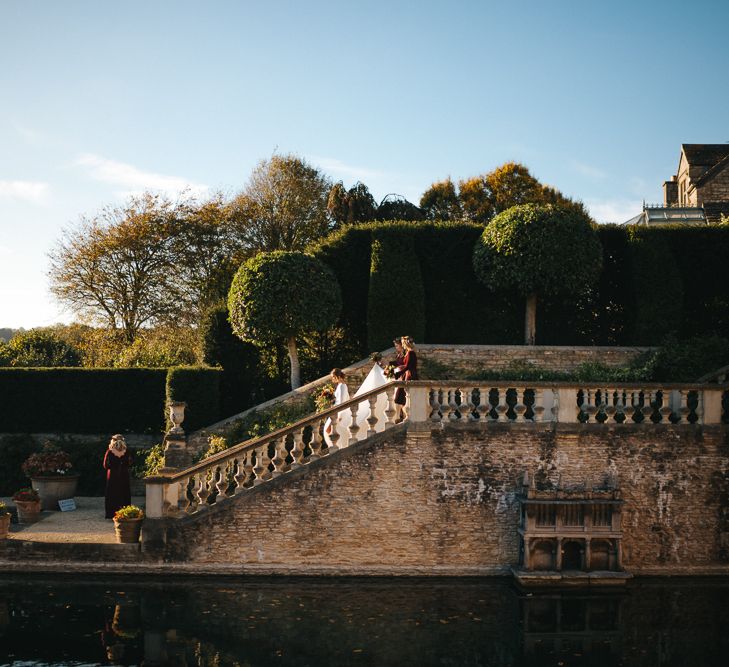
(101, 99)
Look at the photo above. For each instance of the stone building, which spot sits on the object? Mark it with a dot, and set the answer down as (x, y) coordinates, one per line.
(699, 191)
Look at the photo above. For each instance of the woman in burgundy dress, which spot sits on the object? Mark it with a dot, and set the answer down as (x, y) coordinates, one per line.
(397, 362)
(117, 462)
(408, 369)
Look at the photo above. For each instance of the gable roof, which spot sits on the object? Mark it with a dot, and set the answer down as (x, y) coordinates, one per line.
(705, 155)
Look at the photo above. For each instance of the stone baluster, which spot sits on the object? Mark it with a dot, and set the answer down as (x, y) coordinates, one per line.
(280, 454)
(446, 404)
(390, 410)
(453, 404)
(620, 408)
(484, 406)
(297, 451)
(316, 443)
(372, 417)
(665, 409)
(502, 407)
(610, 408)
(248, 468)
(520, 407)
(240, 476)
(684, 411)
(188, 493)
(538, 406)
(353, 426)
(221, 486)
(434, 397)
(647, 408)
(467, 405)
(334, 436)
(588, 406)
(202, 490)
(260, 470)
(700, 407)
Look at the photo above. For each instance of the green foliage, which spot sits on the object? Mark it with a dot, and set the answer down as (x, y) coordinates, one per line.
(396, 207)
(148, 461)
(686, 360)
(396, 305)
(39, 347)
(216, 444)
(351, 206)
(657, 285)
(81, 400)
(3, 508)
(199, 387)
(261, 422)
(539, 249)
(282, 295)
(440, 202)
(129, 513)
(240, 382)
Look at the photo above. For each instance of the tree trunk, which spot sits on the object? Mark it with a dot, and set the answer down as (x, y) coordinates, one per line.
(294, 357)
(530, 320)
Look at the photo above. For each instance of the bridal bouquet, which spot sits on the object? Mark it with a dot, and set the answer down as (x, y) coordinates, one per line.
(324, 397)
(389, 371)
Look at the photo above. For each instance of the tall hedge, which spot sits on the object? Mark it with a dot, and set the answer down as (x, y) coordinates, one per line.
(396, 300)
(81, 400)
(199, 387)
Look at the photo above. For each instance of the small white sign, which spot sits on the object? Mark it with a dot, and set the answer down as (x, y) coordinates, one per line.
(68, 505)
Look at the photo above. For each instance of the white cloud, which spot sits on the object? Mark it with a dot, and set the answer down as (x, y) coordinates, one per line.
(135, 180)
(614, 210)
(33, 191)
(588, 170)
(340, 169)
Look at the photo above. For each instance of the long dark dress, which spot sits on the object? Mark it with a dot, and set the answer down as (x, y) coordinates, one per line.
(409, 371)
(399, 392)
(118, 493)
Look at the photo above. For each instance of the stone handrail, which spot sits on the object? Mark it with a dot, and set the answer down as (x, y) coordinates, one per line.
(250, 463)
(430, 404)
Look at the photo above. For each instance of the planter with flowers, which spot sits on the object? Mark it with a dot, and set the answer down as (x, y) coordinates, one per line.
(4, 521)
(128, 524)
(51, 474)
(28, 504)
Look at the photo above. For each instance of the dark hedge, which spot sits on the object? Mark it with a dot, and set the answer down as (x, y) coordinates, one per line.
(396, 304)
(81, 400)
(199, 387)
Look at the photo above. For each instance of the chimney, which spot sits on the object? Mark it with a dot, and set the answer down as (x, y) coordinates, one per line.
(670, 192)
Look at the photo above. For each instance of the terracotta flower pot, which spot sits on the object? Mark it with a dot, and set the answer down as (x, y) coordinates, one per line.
(128, 530)
(52, 488)
(4, 525)
(28, 510)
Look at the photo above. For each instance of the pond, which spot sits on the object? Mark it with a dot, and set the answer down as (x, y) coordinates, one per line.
(284, 621)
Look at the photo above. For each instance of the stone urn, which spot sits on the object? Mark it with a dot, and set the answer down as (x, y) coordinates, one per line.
(52, 488)
(28, 510)
(4, 524)
(128, 530)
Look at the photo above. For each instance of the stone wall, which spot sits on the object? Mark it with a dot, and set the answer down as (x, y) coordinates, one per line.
(444, 502)
(715, 189)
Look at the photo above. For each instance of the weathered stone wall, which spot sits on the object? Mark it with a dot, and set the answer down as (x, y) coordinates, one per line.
(444, 502)
(715, 189)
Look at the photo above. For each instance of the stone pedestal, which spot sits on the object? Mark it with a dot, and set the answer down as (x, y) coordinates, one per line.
(177, 456)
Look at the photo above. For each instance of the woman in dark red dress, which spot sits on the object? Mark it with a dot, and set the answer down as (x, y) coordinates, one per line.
(117, 462)
(399, 392)
(408, 369)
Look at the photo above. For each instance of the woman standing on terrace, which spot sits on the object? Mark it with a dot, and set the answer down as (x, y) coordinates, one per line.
(408, 370)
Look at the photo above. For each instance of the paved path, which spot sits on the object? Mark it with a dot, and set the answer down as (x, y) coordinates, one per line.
(85, 524)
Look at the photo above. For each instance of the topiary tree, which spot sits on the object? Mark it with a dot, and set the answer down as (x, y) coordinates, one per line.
(538, 250)
(283, 294)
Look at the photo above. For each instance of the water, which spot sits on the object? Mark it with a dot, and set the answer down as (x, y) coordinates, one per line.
(252, 622)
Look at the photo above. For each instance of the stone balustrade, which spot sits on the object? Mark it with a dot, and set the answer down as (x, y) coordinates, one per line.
(431, 404)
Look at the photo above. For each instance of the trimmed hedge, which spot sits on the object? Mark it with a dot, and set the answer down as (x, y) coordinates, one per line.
(199, 387)
(396, 303)
(655, 281)
(81, 400)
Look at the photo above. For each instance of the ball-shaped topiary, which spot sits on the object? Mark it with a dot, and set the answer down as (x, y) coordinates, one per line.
(534, 250)
(283, 294)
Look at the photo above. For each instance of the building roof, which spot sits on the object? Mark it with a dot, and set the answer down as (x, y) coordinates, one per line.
(669, 215)
(705, 155)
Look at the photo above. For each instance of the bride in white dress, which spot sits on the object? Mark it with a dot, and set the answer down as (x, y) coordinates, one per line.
(376, 378)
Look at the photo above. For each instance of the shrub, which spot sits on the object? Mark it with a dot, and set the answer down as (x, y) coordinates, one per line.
(39, 347)
(147, 462)
(261, 422)
(199, 387)
(396, 303)
(686, 360)
(216, 444)
(129, 513)
(51, 461)
(26, 494)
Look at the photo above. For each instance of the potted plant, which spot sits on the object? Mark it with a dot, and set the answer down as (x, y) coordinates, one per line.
(4, 521)
(128, 524)
(28, 503)
(51, 474)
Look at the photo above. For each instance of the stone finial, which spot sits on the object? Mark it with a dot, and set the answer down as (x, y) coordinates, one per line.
(177, 416)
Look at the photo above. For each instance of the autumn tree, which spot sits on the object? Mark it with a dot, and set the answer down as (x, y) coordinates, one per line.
(538, 250)
(396, 207)
(283, 206)
(281, 296)
(350, 206)
(440, 201)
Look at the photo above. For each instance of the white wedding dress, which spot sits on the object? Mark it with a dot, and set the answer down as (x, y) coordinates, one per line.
(376, 378)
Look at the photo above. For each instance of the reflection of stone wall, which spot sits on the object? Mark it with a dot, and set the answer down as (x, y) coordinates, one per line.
(445, 502)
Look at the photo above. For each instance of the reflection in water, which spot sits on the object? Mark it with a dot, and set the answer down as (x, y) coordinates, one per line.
(299, 622)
